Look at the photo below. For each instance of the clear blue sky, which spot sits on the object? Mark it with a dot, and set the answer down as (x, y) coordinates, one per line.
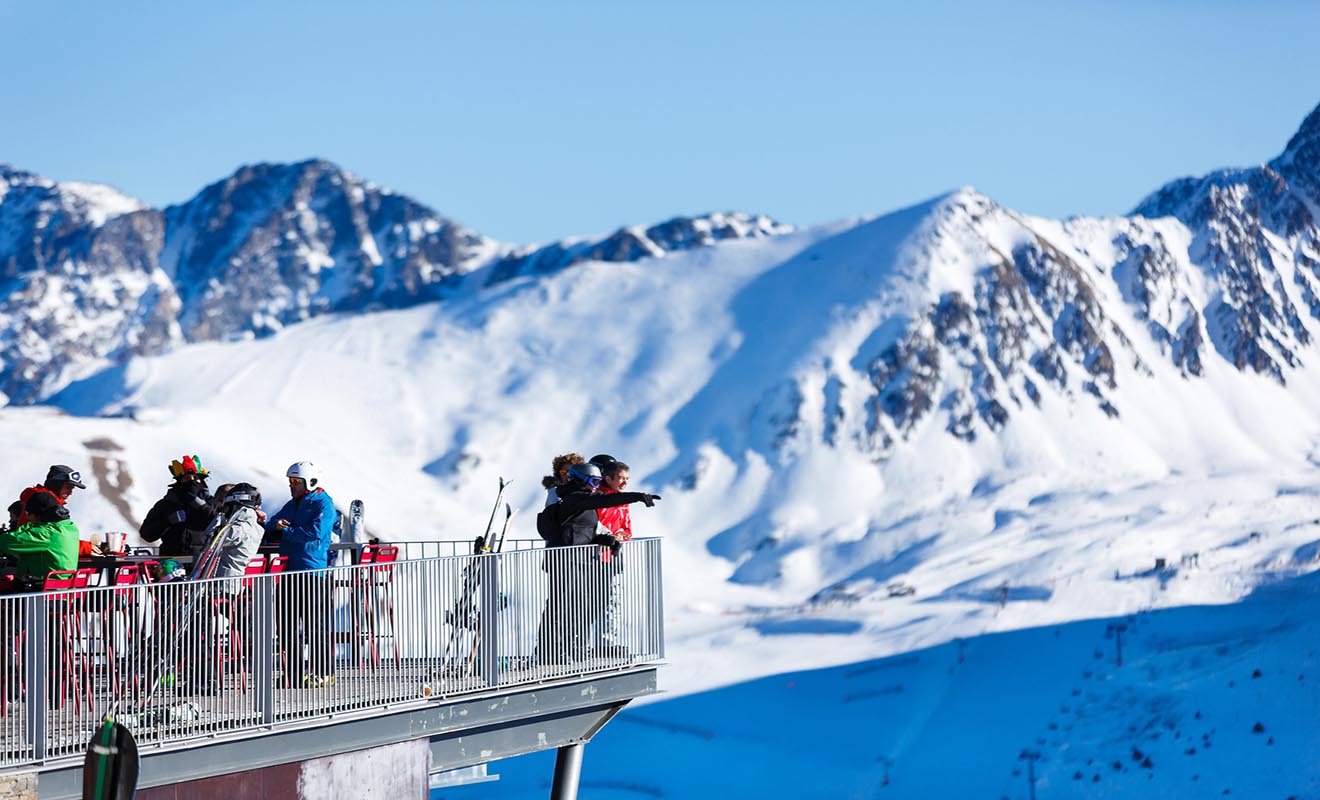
(531, 121)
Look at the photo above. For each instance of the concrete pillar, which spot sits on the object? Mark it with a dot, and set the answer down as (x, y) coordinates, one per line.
(568, 768)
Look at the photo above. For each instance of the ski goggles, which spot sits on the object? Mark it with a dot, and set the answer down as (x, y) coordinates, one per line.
(593, 482)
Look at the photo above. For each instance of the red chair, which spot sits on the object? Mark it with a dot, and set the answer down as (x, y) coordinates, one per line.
(68, 605)
(121, 608)
(374, 585)
(279, 564)
(60, 580)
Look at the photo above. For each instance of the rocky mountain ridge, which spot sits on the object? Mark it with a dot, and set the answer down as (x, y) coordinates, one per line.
(1006, 309)
(94, 277)
(1223, 268)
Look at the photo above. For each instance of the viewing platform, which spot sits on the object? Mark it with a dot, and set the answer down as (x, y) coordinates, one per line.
(379, 678)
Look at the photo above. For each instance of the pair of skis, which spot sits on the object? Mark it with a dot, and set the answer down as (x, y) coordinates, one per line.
(203, 567)
(465, 615)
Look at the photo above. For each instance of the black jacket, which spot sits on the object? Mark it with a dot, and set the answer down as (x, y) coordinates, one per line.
(576, 512)
(185, 509)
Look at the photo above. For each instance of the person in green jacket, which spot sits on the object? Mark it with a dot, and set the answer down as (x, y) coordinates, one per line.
(47, 542)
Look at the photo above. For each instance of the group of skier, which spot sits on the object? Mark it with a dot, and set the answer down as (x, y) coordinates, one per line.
(586, 504)
(187, 519)
(43, 538)
(226, 530)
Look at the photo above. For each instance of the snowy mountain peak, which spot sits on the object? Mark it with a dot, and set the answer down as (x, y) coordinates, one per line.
(634, 243)
(1303, 148)
(40, 218)
(278, 243)
(93, 203)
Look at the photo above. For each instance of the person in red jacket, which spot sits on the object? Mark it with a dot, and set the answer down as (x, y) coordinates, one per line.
(618, 521)
(573, 564)
(60, 483)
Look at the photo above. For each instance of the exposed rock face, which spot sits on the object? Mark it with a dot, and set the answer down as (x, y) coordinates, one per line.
(631, 244)
(278, 243)
(40, 220)
(83, 285)
(1225, 265)
(1033, 318)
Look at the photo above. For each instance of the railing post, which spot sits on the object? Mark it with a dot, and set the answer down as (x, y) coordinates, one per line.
(35, 666)
(490, 614)
(263, 659)
(653, 601)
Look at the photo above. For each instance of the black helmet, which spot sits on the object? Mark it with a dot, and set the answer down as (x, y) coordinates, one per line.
(586, 472)
(243, 494)
(58, 474)
(43, 507)
(601, 460)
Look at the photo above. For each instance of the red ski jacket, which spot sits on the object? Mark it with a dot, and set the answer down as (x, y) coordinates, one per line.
(28, 492)
(616, 519)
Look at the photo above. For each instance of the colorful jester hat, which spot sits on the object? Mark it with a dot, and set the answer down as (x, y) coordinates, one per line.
(188, 465)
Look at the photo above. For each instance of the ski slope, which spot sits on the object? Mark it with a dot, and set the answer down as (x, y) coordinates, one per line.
(1209, 701)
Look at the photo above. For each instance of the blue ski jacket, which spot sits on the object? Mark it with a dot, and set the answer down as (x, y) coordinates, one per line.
(311, 525)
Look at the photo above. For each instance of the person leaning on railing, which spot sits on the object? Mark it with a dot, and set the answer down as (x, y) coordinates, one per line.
(575, 580)
(617, 520)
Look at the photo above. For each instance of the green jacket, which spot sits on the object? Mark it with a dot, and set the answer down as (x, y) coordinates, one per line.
(42, 547)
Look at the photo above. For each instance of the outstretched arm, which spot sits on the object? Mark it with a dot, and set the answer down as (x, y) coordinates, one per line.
(581, 502)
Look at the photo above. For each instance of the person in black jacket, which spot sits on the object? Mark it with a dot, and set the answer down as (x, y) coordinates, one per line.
(577, 575)
(180, 518)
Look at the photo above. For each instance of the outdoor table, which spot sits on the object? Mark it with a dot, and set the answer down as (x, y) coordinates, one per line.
(108, 563)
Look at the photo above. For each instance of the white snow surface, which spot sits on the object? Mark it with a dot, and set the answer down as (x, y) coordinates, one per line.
(781, 542)
(100, 202)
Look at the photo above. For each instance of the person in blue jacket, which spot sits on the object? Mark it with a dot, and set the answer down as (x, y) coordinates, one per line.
(304, 527)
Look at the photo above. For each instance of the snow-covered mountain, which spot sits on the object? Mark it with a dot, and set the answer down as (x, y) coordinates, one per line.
(94, 277)
(1012, 417)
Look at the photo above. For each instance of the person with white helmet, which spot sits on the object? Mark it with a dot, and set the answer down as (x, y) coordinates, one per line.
(305, 527)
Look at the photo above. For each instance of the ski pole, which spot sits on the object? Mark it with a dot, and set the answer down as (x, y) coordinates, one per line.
(490, 524)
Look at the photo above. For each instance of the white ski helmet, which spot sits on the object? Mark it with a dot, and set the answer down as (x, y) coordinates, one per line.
(307, 471)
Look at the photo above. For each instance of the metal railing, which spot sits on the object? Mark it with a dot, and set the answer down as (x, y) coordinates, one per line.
(410, 550)
(182, 661)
